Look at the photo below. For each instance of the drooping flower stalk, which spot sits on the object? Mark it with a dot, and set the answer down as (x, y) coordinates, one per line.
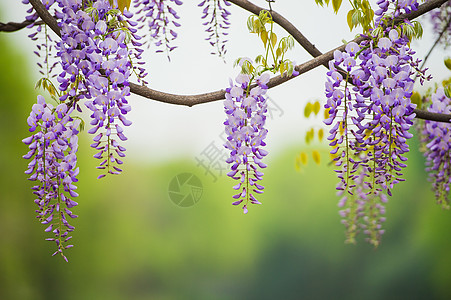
(96, 63)
(53, 149)
(160, 17)
(44, 42)
(95, 54)
(216, 18)
(370, 122)
(437, 139)
(245, 108)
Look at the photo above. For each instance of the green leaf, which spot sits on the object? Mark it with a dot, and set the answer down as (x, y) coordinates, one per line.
(349, 19)
(264, 37)
(257, 26)
(283, 45)
(316, 157)
(273, 39)
(416, 99)
(356, 17)
(336, 5)
(290, 68)
(308, 110)
(448, 63)
(290, 42)
(418, 29)
(303, 158)
(250, 24)
(309, 135)
(448, 91)
(282, 69)
(38, 83)
(320, 134)
(121, 4)
(259, 59)
(265, 17)
(316, 108)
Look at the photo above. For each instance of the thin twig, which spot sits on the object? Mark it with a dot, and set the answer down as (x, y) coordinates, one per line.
(436, 42)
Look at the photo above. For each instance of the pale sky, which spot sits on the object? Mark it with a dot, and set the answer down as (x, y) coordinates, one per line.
(163, 131)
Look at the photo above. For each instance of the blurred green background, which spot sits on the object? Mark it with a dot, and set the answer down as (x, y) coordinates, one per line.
(132, 242)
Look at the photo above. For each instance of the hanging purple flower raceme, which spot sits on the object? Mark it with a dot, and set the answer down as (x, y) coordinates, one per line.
(96, 64)
(245, 108)
(344, 136)
(44, 42)
(370, 124)
(53, 149)
(437, 138)
(216, 18)
(160, 17)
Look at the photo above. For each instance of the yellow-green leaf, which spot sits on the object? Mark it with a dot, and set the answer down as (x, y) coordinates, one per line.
(273, 39)
(448, 63)
(316, 157)
(416, 99)
(308, 109)
(256, 26)
(278, 52)
(320, 134)
(316, 108)
(349, 18)
(121, 4)
(303, 158)
(448, 91)
(309, 136)
(336, 5)
(282, 69)
(264, 37)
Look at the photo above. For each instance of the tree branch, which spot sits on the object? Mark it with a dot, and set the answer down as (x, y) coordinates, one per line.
(312, 50)
(46, 16)
(320, 59)
(436, 42)
(13, 26)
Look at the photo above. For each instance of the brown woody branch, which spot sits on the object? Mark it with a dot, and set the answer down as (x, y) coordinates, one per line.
(312, 50)
(320, 59)
(14, 26)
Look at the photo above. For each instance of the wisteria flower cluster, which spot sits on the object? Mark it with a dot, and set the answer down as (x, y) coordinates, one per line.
(216, 18)
(96, 62)
(370, 114)
(53, 166)
(389, 9)
(245, 108)
(441, 22)
(96, 65)
(437, 138)
(44, 45)
(160, 17)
